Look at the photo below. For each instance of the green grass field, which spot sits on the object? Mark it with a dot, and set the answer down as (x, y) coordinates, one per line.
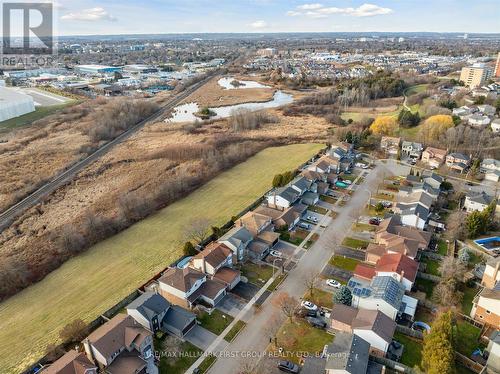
(344, 263)
(90, 283)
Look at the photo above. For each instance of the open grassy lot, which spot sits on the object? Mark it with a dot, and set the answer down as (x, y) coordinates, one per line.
(29, 118)
(299, 337)
(216, 321)
(355, 243)
(345, 263)
(412, 354)
(90, 283)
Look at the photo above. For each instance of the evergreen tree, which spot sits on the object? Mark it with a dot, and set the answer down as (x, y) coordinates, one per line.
(343, 296)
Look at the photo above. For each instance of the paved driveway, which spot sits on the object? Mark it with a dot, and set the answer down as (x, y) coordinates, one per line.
(200, 337)
(245, 290)
(332, 272)
(231, 304)
(351, 253)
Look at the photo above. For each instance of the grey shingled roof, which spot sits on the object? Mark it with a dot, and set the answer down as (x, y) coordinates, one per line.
(348, 352)
(149, 304)
(178, 317)
(481, 198)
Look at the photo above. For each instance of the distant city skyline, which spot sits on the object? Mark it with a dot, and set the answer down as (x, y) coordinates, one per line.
(91, 17)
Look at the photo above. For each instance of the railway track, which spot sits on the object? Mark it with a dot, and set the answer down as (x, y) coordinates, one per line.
(36, 196)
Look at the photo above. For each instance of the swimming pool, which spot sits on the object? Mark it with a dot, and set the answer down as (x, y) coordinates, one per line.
(489, 244)
(341, 184)
(184, 262)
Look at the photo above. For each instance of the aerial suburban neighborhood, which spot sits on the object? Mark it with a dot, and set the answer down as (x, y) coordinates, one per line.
(250, 187)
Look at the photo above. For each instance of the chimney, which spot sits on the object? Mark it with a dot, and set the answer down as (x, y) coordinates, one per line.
(88, 350)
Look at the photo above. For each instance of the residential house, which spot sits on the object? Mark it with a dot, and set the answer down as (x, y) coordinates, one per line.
(489, 164)
(302, 185)
(155, 313)
(417, 196)
(72, 362)
(122, 345)
(434, 180)
(282, 198)
(493, 176)
(397, 265)
(391, 230)
(382, 293)
(478, 120)
(371, 325)
(464, 112)
(313, 176)
(390, 144)
(412, 149)
(289, 217)
(413, 214)
(310, 198)
(255, 222)
(491, 273)
(486, 306)
(237, 239)
(458, 161)
(477, 201)
(187, 286)
(326, 164)
(216, 260)
(493, 352)
(434, 157)
(487, 109)
(348, 354)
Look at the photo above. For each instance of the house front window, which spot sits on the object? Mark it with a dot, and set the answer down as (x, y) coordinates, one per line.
(148, 352)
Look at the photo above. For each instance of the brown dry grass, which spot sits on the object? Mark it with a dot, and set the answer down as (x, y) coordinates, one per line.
(213, 95)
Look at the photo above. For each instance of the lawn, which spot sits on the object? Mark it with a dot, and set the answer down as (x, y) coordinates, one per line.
(318, 209)
(257, 274)
(29, 118)
(425, 285)
(442, 247)
(177, 359)
(328, 199)
(345, 263)
(277, 281)
(207, 363)
(298, 337)
(466, 337)
(89, 284)
(239, 325)
(215, 322)
(355, 243)
(469, 294)
(320, 298)
(360, 227)
(432, 266)
(412, 354)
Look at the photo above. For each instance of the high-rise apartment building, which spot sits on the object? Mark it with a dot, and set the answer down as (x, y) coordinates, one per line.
(497, 67)
(476, 75)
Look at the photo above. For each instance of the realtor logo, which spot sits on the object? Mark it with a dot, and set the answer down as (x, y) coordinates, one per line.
(27, 29)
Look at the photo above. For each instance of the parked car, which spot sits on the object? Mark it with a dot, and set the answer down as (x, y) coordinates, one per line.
(374, 221)
(308, 305)
(288, 367)
(316, 322)
(304, 225)
(333, 283)
(347, 172)
(276, 253)
(386, 204)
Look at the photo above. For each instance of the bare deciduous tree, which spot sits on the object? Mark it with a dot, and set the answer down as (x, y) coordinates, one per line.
(288, 304)
(197, 230)
(310, 281)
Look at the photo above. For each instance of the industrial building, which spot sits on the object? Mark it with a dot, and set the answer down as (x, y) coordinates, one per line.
(139, 69)
(14, 104)
(97, 69)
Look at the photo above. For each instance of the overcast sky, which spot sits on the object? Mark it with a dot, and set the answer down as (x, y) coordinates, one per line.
(84, 17)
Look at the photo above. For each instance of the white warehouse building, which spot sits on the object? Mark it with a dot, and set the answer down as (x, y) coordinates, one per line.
(14, 104)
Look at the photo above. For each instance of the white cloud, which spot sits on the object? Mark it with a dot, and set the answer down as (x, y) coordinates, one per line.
(319, 11)
(310, 6)
(93, 14)
(260, 24)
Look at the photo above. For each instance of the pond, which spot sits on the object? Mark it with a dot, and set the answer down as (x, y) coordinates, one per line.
(226, 83)
(186, 112)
